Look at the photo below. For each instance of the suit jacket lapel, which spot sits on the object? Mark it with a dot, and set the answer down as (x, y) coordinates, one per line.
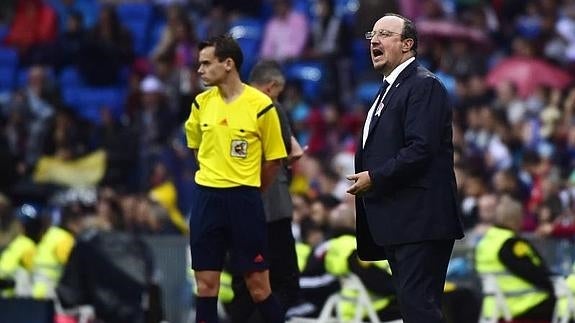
(392, 89)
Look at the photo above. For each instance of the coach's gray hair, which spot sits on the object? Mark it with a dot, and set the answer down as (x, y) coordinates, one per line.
(266, 71)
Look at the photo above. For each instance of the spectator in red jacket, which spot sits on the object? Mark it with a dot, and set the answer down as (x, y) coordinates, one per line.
(34, 23)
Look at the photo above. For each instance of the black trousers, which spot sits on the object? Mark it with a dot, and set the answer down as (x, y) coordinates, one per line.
(419, 271)
(284, 275)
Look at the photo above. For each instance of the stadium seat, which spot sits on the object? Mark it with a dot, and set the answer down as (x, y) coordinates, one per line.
(8, 67)
(490, 288)
(248, 33)
(310, 74)
(141, 11)
(70, 77)
(89, 101)
(363, 305)
(565, 305)
(6, 78)
(140, 35)
(360, 56)
(8, 57)
(137, 18)
(366, 91)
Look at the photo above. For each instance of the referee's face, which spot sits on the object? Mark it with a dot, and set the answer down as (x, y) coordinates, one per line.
(212, 72)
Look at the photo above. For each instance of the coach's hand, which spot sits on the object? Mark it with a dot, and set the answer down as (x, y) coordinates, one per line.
(362, 183)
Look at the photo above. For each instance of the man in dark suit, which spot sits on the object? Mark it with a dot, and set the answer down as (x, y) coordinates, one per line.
(405, 188)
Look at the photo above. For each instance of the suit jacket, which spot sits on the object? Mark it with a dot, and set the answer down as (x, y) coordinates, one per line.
(409, 156)
(277, 199)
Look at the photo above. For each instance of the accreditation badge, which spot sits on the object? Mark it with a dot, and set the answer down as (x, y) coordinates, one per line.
(239, 148)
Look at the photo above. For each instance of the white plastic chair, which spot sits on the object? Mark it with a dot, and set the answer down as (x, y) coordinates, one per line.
(490, 288)
(363, 305)
(563, 295)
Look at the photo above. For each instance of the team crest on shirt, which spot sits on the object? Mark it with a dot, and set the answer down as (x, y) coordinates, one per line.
(239, 148)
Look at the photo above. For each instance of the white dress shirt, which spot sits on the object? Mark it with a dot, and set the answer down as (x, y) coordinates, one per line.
(377, 110)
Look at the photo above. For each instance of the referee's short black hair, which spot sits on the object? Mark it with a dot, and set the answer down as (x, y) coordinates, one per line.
(225, 46)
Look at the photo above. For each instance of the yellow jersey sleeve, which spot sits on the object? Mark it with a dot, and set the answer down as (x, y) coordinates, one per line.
(192, 125)
(273, 146)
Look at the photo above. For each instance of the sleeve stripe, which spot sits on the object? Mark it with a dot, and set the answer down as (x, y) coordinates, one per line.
(196, 104)
(266, 109)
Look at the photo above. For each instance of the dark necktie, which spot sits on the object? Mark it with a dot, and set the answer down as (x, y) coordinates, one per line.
(379, 98)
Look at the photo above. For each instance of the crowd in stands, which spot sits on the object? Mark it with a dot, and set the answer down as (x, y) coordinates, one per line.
(94, 93)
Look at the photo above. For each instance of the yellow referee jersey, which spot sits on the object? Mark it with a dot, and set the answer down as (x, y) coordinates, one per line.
(233, 138)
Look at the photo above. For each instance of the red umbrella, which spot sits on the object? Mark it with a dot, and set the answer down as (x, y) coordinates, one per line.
(527, 74)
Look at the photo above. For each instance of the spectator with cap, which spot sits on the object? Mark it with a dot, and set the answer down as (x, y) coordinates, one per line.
(153, 122)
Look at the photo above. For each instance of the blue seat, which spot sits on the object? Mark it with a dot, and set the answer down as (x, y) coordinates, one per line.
(70, 77)
(8, 57)
(360, 55)
(140, 35)
(89, 101)
(137, 18)
(135, 11)
(248, 33)
(310, 75)
(7, 75)
(365, 92)
(8, 68)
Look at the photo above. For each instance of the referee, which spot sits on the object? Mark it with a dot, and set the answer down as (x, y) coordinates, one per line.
(267, 77)
(235, 134)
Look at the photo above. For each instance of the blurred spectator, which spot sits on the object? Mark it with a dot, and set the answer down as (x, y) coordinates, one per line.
(181, 84)
(120, 142)
(111, 271)
(241, 8)
(330, 41)
(54, 249)
(505, 182)
(474, 187)
(280, 42)
(67, 137)
(565, 28)
(30, 110)
(507, 100)
(17, 228)
(517, 266)
(531, 177)
(88, 9)
(70, 41)
(34, 23)
(107, 50)
(153, 122)
(486, 206)
(163, 191)
(214, 23)
(178, 42)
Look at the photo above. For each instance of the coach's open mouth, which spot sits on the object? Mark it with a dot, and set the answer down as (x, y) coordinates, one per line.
(376, 53)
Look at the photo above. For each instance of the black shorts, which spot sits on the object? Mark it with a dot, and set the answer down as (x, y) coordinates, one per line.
(228, 219)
